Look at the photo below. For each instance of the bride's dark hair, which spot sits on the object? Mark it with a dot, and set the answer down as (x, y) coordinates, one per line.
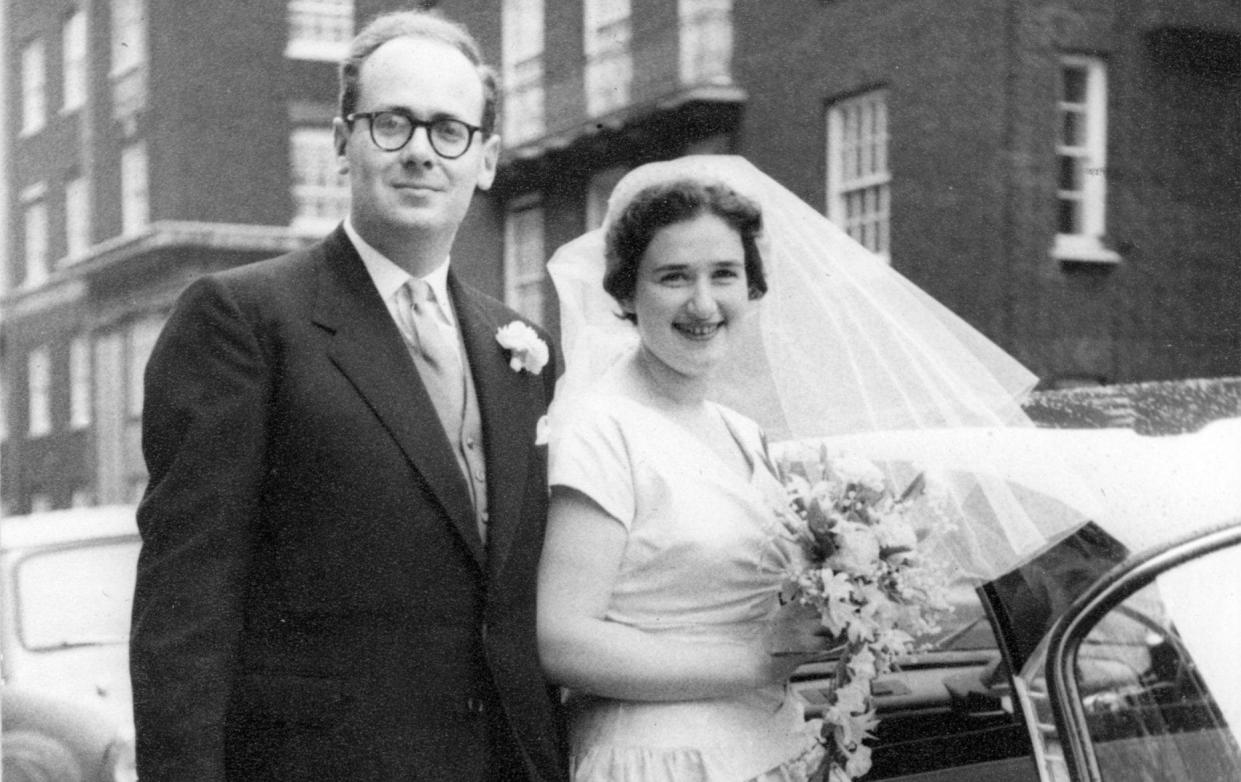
(668, 203)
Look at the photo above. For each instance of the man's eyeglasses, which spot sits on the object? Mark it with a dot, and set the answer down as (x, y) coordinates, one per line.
(391, 130)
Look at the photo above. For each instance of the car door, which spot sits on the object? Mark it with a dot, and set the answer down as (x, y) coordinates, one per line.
(1141, 675)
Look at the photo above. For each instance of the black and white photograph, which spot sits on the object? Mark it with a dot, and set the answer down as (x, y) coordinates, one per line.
(620, 390)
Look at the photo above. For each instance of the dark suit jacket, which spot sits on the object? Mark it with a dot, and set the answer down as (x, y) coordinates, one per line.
(314, 600)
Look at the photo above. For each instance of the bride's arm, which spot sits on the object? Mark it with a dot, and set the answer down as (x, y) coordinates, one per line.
(580, 650)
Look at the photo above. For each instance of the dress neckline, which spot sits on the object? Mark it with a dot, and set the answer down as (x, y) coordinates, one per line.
(700, 444)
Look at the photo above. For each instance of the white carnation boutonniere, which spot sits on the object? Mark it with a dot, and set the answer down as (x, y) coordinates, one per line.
(526, 350)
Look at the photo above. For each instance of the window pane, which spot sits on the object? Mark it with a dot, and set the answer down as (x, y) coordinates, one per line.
(135, 207)
(74, 51)
(1074, 85)
(859, 181)
(39, 389)
(1151, 709)
(77, 218)
(34, 87)
(76, 596)
(36, 243)
(1069, 220)
(319, 29)
(320, 192)
(129, 44)
(1070, 173)
(1072, 128)
(80, 382)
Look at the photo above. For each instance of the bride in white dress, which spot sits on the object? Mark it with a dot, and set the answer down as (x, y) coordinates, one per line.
(658, 589)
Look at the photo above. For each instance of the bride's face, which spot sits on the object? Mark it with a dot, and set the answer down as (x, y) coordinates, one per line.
(691, 293)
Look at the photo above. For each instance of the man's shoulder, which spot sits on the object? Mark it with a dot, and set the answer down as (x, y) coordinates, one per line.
(496, 310)
(282, 269)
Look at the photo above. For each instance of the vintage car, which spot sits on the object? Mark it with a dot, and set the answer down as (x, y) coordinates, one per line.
(66, 582)
(1111, 656)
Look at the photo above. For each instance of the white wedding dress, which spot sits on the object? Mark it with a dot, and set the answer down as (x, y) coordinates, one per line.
(703, 562)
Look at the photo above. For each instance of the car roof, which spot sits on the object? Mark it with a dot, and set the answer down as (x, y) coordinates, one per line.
(55, 527)
(1143, 490)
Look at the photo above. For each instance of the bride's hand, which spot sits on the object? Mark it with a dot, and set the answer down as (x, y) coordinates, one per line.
(795, 635)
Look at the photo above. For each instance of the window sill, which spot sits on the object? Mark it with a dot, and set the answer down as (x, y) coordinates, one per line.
(317, 51)
(1083, 249)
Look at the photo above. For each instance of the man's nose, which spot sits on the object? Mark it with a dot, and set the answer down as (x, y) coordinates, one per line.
(418, 150)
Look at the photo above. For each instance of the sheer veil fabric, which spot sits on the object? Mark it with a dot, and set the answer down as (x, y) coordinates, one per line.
(842, 350)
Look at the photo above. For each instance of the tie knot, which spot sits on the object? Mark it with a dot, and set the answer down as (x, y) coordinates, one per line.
(420, 291)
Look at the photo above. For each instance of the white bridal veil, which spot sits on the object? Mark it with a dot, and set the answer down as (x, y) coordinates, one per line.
(842, 347)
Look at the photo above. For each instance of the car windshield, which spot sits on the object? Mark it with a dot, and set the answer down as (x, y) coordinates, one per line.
(76, 596)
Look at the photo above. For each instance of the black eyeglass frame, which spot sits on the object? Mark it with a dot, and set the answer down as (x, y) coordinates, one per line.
(414, 124)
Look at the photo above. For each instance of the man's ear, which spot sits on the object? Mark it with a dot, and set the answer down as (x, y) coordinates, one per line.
(490, 160)
(340, 139)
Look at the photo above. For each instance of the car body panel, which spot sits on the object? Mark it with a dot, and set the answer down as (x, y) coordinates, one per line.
(66, 592)
(1146, 489)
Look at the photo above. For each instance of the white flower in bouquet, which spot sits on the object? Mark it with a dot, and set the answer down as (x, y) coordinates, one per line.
(864, 566)
(856, 470)
(857, 549)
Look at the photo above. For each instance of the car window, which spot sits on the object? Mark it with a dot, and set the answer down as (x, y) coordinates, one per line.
(1158, 681)
(77, 595)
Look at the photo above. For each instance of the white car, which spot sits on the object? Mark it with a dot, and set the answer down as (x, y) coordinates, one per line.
(66, 585)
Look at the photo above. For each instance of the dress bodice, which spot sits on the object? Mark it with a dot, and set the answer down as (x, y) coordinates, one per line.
(704, 559)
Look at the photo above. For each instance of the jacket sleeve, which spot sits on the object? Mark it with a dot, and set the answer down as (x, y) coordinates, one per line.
(204, 424)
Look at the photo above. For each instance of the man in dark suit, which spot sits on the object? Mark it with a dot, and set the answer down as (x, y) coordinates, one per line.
(346, 501)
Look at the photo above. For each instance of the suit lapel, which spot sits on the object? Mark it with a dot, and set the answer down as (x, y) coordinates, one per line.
(367, 347)
(506, 402)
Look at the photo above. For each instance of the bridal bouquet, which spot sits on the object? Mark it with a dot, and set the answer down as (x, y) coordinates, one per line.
(867, 573)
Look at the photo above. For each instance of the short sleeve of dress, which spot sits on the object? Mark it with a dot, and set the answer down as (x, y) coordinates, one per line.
(589, 452)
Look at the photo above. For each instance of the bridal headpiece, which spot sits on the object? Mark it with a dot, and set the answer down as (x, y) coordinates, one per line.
(841, 345)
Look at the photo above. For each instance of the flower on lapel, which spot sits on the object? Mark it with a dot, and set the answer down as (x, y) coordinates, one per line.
(526, 350)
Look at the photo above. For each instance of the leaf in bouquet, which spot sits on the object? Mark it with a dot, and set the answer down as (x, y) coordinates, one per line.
(916, 488)
(896, 555)
(821, 525)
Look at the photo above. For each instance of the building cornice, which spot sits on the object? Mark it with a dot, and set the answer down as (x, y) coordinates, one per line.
(677, 113)
(71, 282)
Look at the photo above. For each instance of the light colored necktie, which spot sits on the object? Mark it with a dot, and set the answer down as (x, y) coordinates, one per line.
(438, 355)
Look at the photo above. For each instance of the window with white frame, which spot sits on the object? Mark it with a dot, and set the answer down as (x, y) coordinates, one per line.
(73, 51)
(609, 62)
(1081, 161)
(706, 41)
(139, 342)
(129, 35)
(129, 56)
(80, 382)
(39, 391)
(522, 70)
(34, 87)
(34, 219)
(77, 218)
(319, 29)
(858, 177)
(320, 192)
(135, 198)
(524, 269)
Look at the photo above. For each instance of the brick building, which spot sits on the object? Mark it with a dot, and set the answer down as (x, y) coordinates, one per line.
(1062, 174)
